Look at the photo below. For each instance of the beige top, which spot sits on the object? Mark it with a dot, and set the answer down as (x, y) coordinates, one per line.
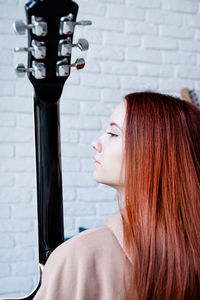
(88, 266)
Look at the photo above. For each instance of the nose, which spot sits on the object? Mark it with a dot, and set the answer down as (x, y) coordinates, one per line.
(96, 145)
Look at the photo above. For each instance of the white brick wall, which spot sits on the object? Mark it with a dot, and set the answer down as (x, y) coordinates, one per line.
(134, 45)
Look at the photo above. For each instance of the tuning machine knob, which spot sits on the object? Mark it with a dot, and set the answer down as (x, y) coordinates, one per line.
(65, 46)
(38, 70)
(38, 49)
(38, 26)
(63, 67)
(67, 24)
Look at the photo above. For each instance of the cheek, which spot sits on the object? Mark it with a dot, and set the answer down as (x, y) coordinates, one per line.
(114, 154)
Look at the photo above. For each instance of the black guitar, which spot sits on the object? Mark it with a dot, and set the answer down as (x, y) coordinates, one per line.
(50, 26)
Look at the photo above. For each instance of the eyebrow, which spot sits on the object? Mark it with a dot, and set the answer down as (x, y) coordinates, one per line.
(115, 124)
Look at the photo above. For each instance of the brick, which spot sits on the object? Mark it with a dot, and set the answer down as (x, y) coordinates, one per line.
(139, 28)
(136, 83)
(25, 120)
(25, 268)
(88, 7)
(182, 32)
(10, 41)
(80, 150)
(87, 165)
(24, 88)
(9, 2)
(192, 21)
(69, 223)
(7, 241)
(71, 164)
(145, 3)
(8, 285)
(26, 239)
(6, 57)
(90, 222)
(6, 150)
(141, 55)
(81, 93)
(79, 209)
(100, 81)
(95, 194)
(69, 194)
(180, 6)
(7, 88)
(7, 73)
(111, 53)
(25, 180)
(119, 68)
(73, 79)
(107, 24)
(5, 212)
(77, 179)
(179, 58)
(81, 122)
(11, 254)
(112, 1)
(91, 67)
(108, 95)
(156, 70)
(93, 36)
(69, 135)
(16, 134)
(121, 39)
(14, 104)
(193, 46)
(160, 43)
(164, 17)
(126, 12)
(70, 107)
(175, 84)
(4, 270)
(70, 233)
(8, 13)
(14, 195)
(24, 212)
(7, 119)
(17, 164)
(96, 108)
(86, 137)
(25, 150)
(189, 72)
(16, 226)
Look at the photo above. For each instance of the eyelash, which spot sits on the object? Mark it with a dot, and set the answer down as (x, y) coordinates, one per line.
(112, 134)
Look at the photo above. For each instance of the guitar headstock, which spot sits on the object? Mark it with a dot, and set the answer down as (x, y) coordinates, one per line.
(50, 26)
(190, 96)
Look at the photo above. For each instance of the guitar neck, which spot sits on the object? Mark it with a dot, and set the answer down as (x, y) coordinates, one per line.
(49, 177)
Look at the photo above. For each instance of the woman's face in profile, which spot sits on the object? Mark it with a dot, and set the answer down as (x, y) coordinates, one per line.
(109, 150)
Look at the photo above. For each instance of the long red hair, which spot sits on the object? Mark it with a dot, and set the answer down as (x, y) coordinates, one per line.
(161, 229)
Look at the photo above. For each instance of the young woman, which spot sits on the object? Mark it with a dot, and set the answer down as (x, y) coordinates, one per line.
(150, 249)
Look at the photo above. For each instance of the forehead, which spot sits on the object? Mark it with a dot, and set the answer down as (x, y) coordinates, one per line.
(118, 114)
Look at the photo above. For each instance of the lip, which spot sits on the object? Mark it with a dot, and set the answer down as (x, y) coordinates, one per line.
(96, 161)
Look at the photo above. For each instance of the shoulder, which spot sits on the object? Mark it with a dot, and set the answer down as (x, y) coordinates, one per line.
(84, 253)
(89, 242)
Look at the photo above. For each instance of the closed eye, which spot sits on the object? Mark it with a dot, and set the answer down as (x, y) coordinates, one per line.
(112, 134)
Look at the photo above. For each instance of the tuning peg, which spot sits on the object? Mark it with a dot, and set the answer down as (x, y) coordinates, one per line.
(38, 26)
(65, 46)
(63, 68)
(38, 49)
(67, 24)
(38, 70)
